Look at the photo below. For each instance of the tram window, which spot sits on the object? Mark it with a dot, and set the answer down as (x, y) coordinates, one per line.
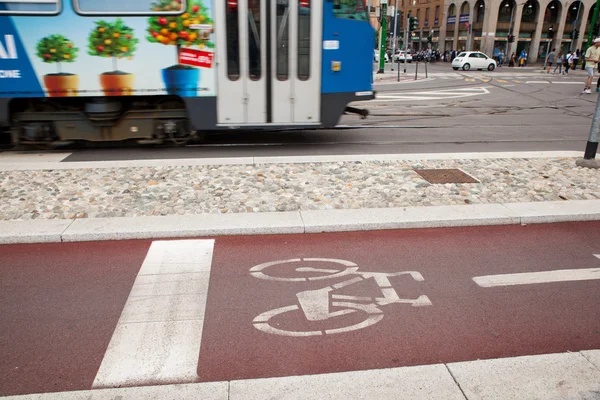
(254, 41)
(304, 40)
(124, 7)
(51, 7)
(283, 18)
(350, 9)
(233, 44)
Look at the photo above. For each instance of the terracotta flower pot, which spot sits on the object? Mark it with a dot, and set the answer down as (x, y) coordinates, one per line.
(61, 85)
(117, 83)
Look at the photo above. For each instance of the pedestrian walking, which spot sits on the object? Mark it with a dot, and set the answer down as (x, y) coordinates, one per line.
(592, 56)
(513, 60)
(576, 58)
(501, 58)
(568, 61)
(523, 58)
(559, 63)
(550, 60)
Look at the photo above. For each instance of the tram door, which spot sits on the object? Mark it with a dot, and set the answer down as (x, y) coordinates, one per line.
(269, 61)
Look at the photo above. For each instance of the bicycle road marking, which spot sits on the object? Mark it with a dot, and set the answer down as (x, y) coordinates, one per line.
(157, 338)
(315, 305)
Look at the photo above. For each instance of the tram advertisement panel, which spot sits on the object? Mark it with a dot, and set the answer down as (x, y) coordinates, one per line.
(111, 47)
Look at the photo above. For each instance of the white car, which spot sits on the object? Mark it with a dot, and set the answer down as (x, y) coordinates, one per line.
(473, 60)
(403, 57)
(376, 56)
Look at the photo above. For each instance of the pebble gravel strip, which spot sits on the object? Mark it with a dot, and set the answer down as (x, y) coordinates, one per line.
(143, 191)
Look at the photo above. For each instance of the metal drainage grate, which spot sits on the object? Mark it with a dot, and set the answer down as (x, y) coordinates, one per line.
(445, 176)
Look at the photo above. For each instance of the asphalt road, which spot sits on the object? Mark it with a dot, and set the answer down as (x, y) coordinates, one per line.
(509, 109)
(98, 314)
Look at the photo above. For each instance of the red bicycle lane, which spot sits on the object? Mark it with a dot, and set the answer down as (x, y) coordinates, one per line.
(63, 301)
(463, 322)
(59, 305)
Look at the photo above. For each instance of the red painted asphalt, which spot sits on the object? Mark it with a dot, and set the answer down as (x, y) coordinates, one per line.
(60, 303)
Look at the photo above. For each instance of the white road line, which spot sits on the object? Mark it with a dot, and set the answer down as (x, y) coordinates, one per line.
(537, 82)
(157, 338)
(569, 83)
(562, 275)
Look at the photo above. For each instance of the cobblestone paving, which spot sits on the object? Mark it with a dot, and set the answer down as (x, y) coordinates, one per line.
(117, 192)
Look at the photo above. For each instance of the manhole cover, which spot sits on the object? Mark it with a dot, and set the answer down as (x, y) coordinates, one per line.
(445, 176)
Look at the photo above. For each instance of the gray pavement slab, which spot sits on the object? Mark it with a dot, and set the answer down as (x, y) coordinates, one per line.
(407, 217)
(556, 211)
(543, 377)
(183, 226)
(203, 391)
(33, 231)
(593, 356)
(429, 382)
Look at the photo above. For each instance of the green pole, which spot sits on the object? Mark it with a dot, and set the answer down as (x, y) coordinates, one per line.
(591, 32)
(384, 37)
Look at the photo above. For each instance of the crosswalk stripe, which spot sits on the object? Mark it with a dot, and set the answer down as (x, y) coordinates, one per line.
(502, 81)
(157, 338)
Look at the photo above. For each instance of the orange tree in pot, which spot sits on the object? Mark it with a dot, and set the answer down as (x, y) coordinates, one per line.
(113, 40)
(58, 49)
(192, 28)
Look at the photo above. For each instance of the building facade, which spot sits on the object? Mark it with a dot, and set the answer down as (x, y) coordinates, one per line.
(486, 24)
(428, 13)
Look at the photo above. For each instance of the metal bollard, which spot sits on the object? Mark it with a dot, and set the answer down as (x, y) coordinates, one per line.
(426, 76)
(398, 68)
(592, 145)
(416, 70)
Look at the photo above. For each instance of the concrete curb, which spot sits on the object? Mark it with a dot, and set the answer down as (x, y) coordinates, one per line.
(94, 229)
(549, 376)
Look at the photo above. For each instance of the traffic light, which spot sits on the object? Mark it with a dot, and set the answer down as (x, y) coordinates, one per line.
(550, 32)
(511, 38)
(429, 39)
(413, 22)
(575, 34)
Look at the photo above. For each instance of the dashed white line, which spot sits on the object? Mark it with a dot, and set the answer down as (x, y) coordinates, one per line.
(528, 278)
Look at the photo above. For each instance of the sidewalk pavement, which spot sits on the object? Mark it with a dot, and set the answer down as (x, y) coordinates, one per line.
(551, 376)
(45, 198)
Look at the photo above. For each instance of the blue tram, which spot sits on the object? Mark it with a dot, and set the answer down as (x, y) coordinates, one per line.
(169, 70)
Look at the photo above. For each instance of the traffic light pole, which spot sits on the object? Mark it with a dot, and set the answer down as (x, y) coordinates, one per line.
(383, 37)
(406, 39)
(589, 158)
(394, 43)
(591, 31)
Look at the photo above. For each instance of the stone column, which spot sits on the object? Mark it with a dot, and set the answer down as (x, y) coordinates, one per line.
(562, 21)
(534, 49)
(470, 39)
(442, 30)
(518, 14)
(490, 22)
(456, 30)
